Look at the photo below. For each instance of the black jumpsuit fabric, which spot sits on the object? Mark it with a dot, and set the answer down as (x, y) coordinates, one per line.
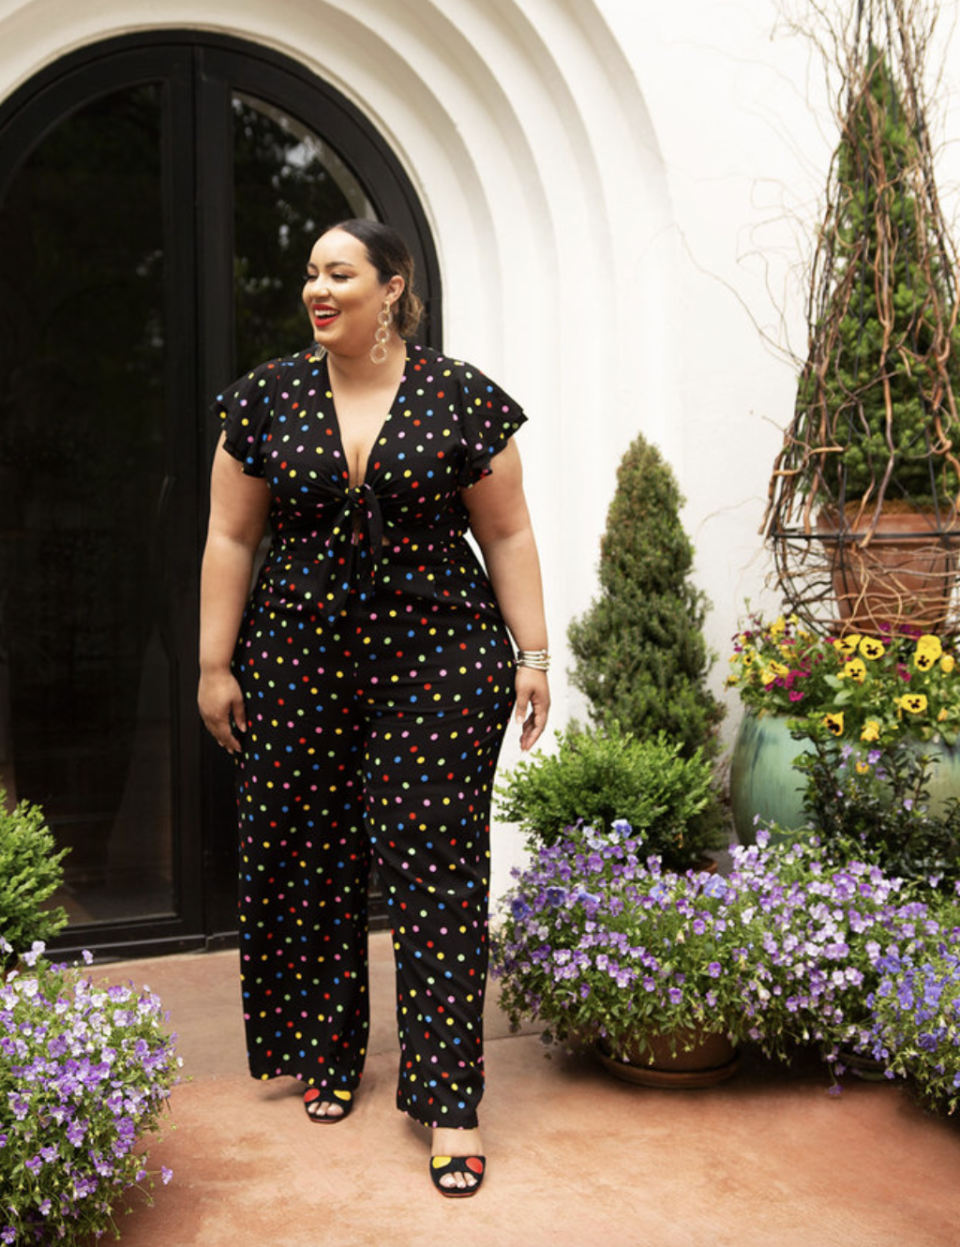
(377, 676)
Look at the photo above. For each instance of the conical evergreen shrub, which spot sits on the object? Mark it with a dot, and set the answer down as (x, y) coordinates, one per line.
(641, 657)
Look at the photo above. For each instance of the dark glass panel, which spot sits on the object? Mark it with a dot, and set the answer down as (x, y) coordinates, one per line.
(289, 186)
(82, 467)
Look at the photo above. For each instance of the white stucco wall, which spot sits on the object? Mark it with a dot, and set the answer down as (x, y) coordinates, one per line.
(622, 193)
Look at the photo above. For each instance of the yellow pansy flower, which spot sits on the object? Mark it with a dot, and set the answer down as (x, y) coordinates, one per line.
(871, 730)
(871, 648)
(834, 723)
(856, 669)
(778, 626)
(913, 703)
(863, 768)
(848, 644)
(947, 663)
(928, 651)
(779, 669)
(942, 716)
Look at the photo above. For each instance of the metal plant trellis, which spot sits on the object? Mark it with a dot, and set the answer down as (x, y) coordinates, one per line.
(862, 513)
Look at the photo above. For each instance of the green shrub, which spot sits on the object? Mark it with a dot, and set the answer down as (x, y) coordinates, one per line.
(30, 871)
(641, 657)
(873, 805)
(600, 776)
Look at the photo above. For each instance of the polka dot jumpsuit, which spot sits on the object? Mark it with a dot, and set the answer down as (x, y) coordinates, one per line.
(377, 675)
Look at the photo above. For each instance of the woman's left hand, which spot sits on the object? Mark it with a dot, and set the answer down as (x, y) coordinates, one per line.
(533, 705)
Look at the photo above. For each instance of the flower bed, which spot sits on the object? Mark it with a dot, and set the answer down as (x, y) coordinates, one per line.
(85, 1070)
(598, 941)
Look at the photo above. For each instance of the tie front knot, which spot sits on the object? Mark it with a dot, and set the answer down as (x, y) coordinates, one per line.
(321, 574)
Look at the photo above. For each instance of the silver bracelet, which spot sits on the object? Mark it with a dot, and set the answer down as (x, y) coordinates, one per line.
(538, 659)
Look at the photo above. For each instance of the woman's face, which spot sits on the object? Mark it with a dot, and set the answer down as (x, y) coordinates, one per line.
(343, 294)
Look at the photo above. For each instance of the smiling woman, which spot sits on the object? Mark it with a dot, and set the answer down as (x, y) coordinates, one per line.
(365, 685)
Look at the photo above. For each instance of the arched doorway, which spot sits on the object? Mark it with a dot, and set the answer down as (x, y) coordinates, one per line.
(158, 199)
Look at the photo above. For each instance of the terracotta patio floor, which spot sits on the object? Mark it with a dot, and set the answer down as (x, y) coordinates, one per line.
(768, 1159)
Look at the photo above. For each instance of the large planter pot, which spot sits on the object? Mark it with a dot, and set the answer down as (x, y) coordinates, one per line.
(700, 1060)
(766, 787)
(904, 573)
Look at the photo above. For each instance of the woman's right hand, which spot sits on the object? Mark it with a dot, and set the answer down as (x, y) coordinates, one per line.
(221, 708)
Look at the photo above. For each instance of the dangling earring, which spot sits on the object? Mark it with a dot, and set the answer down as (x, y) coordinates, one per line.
(378, 352)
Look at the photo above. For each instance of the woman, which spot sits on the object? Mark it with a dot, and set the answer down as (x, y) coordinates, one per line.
(365, 686)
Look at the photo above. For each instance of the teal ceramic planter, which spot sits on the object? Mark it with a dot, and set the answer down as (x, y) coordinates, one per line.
(764, 782)
(764, 785)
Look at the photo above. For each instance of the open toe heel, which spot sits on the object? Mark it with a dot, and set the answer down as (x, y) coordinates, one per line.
(442, 1166)
(314, 1097)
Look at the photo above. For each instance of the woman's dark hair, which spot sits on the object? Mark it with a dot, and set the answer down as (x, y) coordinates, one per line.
(389, 255)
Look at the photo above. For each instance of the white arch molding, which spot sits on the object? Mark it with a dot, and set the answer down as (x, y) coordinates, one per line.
(522, 127)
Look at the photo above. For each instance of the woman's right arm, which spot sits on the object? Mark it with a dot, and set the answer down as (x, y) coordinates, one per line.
(239, 506)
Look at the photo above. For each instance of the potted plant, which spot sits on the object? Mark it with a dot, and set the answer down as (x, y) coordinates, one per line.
(869, 462)
(84, 1071)
(31, 870)
(605, 947)
(914, 1028)
(598, 776)
(818, 927)
(898, 693)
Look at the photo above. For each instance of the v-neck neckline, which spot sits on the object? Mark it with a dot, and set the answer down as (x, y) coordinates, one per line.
(379, 434)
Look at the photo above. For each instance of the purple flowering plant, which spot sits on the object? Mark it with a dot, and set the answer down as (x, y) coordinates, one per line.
(85, 1070)
(817, 930)
(599, 942)
(915, 1019)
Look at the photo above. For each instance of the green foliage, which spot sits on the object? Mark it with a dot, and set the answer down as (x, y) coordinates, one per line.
(641, 658)
(600, 777)
(31, 871)
(874, 805)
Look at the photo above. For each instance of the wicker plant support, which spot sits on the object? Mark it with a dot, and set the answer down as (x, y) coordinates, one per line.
(862, 511)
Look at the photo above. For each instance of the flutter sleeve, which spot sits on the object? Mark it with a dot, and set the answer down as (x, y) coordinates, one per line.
(489, 417)
(246, 410)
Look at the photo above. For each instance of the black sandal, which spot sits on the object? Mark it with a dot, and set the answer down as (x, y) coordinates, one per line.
(314, 1096)
(440, 1166)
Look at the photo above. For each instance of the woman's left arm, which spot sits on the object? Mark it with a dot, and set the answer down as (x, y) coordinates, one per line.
(500, 522)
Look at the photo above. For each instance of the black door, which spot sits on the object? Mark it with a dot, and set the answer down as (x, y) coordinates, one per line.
(157, 203)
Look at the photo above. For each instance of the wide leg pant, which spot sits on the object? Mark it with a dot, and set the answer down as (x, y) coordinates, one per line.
(374, 737)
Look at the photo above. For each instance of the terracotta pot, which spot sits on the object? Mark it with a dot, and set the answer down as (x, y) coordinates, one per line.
(711, 1059)
(904, 574)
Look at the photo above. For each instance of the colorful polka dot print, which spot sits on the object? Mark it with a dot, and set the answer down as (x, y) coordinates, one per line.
(378, 679)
